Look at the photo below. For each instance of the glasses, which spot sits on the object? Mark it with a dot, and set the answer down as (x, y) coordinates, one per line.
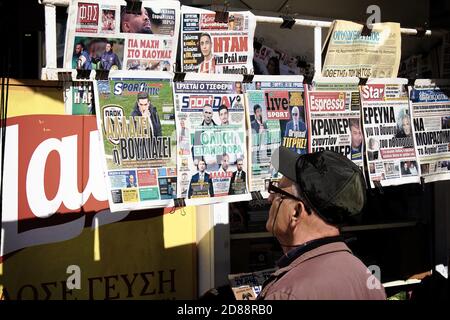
(294, 114)
(273, 189)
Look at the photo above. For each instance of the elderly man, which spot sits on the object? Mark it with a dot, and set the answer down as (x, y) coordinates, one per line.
(317, 192)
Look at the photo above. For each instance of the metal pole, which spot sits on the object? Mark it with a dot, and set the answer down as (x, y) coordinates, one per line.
(317, 51)
(50, 36)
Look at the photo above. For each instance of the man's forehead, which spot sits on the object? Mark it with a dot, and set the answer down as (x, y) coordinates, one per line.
(285, 183)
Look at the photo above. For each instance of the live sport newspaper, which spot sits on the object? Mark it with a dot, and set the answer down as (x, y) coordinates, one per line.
(211, 148)
(144, 41)
(350, 54)
(276, 116)
(216, 47)
(136, 118)
(430, 105)
(388, 130)
(333, 109)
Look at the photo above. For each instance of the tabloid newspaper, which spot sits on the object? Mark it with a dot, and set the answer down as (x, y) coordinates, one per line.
(274, 62)
(79, 97)
(211, 148)
(333, 109)
(276, 116)
(216, 47)
(102, 35)
(387, 126)
(430, 105)
(247, 286)
(349, 54)
(136, 118)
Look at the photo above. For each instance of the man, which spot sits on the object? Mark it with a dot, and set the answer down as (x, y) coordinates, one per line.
(357, 138)
(237, 183)
(201, 183)
(318, 191)
(109, 59)
(143, 107)
(224, 164)
(208, 64)
(131, 183)
(296, 128)
(257, 124)
(223, 115)
(135, 22)
(81, 58)
(207, 116)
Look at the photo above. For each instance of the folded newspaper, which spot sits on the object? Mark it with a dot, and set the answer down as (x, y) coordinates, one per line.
(247, 286)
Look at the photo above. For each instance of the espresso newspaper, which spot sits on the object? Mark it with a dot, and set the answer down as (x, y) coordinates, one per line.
(136, 118)
(211, 148)
(334, 113)
(351, 54)
(388, 131)
(208, 46)
(430, 105)
(104, 35)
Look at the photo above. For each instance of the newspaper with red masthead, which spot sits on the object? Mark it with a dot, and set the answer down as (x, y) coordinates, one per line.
(105, 35)
(208, 46)
(388, 131)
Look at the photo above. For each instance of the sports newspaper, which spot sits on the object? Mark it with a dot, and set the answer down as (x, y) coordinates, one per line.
(216, 47)
(350, 54)
(388, 130)
(136, 118)
(102, 35)
(275, 116)
(430, 105)
(211, 148)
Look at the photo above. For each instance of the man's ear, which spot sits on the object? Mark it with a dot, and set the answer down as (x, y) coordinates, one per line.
(299, 208)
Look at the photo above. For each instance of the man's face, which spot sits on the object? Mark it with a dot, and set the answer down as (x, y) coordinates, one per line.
(131, 179)
(295, 114)
(356, 136)
(406, 125)
(143, 105)
(78, 49)
(205, 46)
(201, 166)
(108, 47)
(238, 87)
(281, 210)
(137, 23)
(207, 114)
(239, 165)
(258, 114)
(223, 115)
(225, 162)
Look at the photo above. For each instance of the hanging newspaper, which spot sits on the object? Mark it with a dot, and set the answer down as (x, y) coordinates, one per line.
(350, 54)
(212, 150)
(333, 110)
(217, 47)
(135, 115)
(430, 104)
(276, 116)
(270, 61)
(79, 97)
(104, 35)
(387, 126)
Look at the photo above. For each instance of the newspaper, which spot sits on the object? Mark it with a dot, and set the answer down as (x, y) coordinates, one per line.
(211, 148)
(390, 149)
(270, 61)
(216, 47)
(101, 35)
(430, 104)
(247, 286)
(272, 103)
(135, 115)
(333, 110)
(348, 54)
(79, 97)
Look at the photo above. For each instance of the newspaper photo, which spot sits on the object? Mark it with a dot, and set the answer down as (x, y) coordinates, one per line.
(430, 105)
(350, 54)
(247, 286)
(275, 116)
(136, 118)
(268, 61)
(212, 149)
(333, 109)
(388, 130)
(79, 97)
(105, 35)
(216, 47)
